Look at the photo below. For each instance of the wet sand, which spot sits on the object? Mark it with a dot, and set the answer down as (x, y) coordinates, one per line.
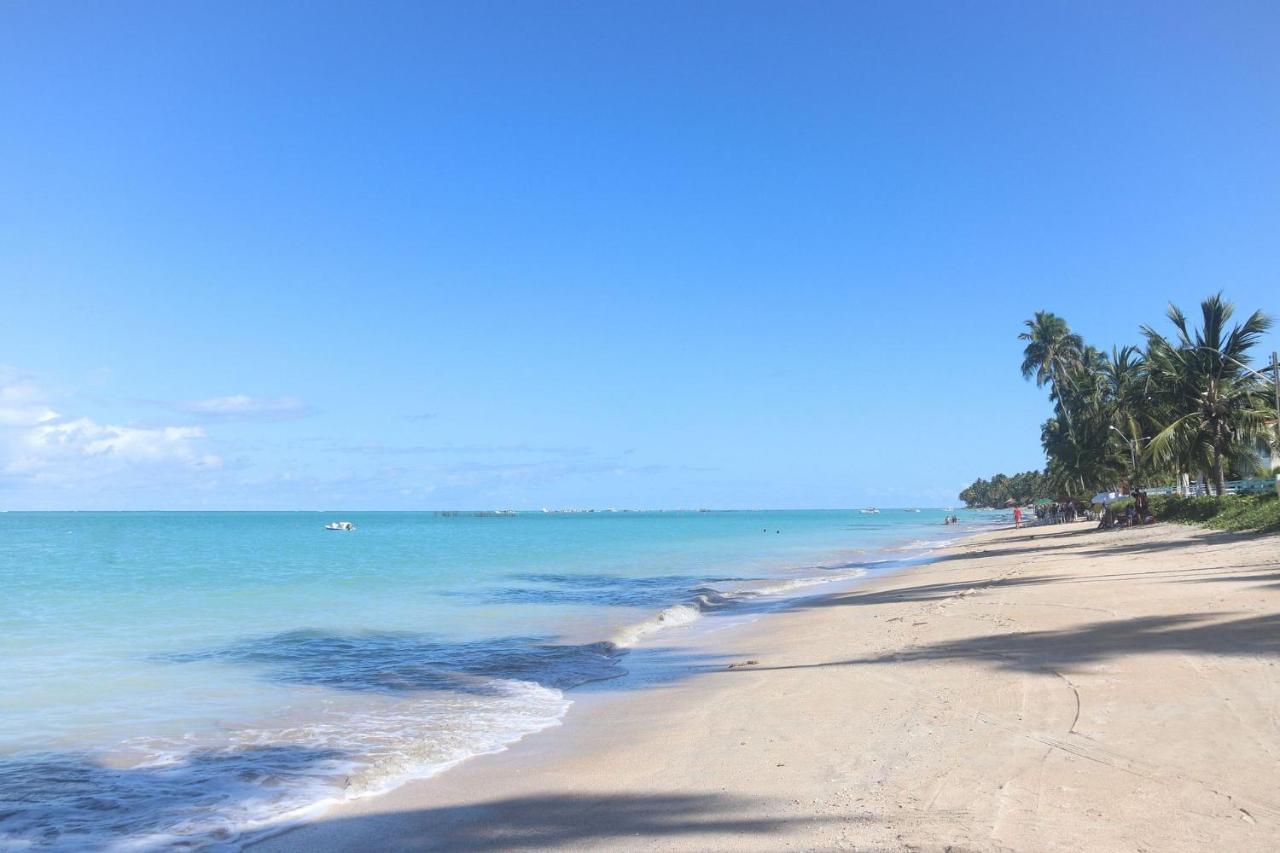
(1050, 689)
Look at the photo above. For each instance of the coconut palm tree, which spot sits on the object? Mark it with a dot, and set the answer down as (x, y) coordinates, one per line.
(1080, 441)
(1125, 381)
(1212, 407)
(1052, 349)
(1076, 436)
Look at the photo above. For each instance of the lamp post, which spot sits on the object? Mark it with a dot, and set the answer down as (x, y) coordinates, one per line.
(1133, 454)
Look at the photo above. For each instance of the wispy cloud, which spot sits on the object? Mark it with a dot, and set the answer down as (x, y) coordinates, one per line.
(21, 401)
(77, 441)
(527, 473)
(39, 444)
(60, 449)
(244, 406)
(662, 469)
(379, 449)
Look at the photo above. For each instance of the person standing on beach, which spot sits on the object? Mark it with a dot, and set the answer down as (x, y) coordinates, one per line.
(1017, 516)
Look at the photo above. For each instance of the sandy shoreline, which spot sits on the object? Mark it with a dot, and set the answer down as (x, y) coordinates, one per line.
(1044, 689)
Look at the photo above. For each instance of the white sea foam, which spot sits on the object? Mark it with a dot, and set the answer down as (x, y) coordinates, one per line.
(707, 600)
(672, 617)
(265, 777)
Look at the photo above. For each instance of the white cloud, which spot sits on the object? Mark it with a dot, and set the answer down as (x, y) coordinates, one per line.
(82, 449)
(242, 405)
(37, 444)
(132, 444)
(21, 402)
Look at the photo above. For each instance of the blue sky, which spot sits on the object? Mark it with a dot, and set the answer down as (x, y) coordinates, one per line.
(310, 255)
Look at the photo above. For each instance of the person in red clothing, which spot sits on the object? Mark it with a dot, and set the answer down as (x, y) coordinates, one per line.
(1017, 516)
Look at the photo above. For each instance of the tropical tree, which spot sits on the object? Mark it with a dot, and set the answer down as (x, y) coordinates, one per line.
(1052, 350)
(1081, 450)
(1213, 410)
(1022, 488)
(1082, 455)
(1125, 380)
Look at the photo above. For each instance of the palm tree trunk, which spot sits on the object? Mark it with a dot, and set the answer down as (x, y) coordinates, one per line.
(1219, 475)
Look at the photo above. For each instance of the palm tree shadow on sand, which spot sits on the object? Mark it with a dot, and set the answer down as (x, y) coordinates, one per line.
(1062, 650)
(560, 822)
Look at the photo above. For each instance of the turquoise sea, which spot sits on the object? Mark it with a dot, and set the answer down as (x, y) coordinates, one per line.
(196, 679)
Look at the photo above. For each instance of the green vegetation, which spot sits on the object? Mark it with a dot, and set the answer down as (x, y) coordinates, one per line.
(1232, 512)
(1000, 489)
(1139, 416)
(1187, 403)
(1210, 410)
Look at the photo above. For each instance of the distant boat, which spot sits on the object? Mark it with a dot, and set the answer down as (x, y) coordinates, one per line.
(340, 525)
(869, 511)
(911, 510)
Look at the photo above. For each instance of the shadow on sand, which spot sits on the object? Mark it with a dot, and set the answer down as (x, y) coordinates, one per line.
(1077, 538)
(1042, 651)
(555, 821)
(1216, 634)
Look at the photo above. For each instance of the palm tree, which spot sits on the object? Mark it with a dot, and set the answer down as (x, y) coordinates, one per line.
(1124, 376)
(1077, 435)
(1052, 349)
(1213, 408)
(1079, 440)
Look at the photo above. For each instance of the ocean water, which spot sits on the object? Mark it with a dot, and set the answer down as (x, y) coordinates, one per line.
(193, 680)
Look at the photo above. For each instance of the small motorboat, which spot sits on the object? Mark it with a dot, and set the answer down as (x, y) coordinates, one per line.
(340, 525)
(869, 511)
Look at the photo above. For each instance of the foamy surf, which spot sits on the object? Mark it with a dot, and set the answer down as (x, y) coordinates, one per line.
(262, 778)
(710, 600)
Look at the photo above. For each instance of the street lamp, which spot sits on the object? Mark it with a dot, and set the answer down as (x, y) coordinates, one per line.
(1133, 454)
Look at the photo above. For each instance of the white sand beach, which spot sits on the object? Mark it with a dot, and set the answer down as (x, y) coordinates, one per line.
(1052, 689)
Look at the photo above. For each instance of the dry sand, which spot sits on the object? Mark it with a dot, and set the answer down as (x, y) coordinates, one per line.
(1035, 690)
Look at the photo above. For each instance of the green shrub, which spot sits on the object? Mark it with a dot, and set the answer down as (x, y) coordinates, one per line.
(1233, 512)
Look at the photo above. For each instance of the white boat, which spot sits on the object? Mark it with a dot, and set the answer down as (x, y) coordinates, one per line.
(869, 511)
(340, 525)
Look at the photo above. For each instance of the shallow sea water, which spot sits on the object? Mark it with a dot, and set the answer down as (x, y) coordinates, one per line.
(195, 679)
